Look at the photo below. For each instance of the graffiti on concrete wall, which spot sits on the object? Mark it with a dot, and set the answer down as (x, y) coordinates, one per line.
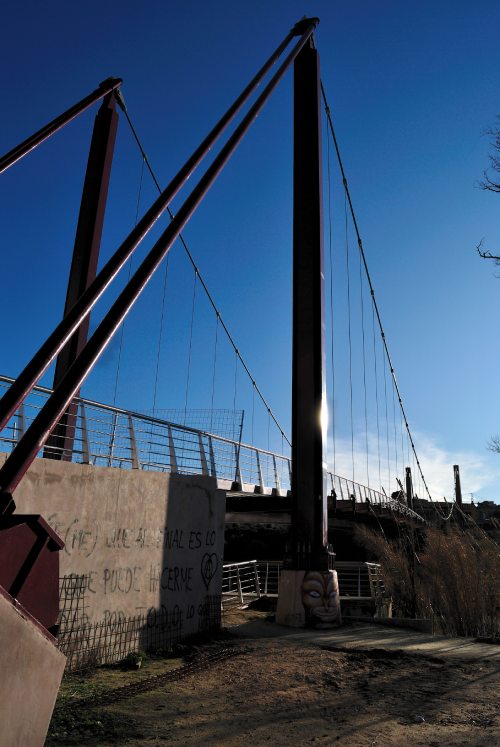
(157, 569)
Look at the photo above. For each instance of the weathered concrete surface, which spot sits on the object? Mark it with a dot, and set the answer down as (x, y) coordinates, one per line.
(146, 542)
(419, 624)
(290, 610)
(31, 672)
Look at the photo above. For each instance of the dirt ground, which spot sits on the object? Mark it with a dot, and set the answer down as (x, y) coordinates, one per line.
(285, 691)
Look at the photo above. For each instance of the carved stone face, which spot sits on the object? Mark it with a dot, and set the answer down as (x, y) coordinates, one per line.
(320, 597)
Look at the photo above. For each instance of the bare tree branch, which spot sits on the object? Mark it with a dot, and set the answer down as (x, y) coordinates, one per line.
(489, 184)
(486, 254)
(494, 444)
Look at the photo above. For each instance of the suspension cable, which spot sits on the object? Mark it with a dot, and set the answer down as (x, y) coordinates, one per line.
(376, 395)
(204, 286)
(235, 394)
(372, 292)
(387, 423)
(160, 334)
(190, 345)
(122, 330)
(395, 434)
(330, 249)
(364, 366)
(349, 331)
(214, 369)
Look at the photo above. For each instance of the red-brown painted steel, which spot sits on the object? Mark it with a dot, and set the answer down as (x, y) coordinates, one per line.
(84, 262)
(309, 515)
(29, 566)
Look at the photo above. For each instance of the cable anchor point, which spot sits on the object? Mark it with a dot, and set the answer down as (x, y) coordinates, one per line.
(120, 100)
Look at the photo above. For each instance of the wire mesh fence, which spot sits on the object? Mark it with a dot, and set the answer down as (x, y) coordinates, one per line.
(220, 422)
(88, 643)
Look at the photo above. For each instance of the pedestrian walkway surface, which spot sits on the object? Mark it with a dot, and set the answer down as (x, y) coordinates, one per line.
(370, 636)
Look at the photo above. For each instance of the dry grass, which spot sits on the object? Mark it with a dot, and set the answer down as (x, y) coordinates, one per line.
(449, 576)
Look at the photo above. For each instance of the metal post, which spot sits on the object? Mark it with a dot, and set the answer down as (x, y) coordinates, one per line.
(213, 468)
(309, 515)
(85, 435)
(171, 448)
(409, 487)
(259, 470)
(240, 590)
(277, 485)
(21, 422)
(134, 459)
(112, 440)
(238, 480)
(257, 580)
(84, 262)
(203, 457)
(458, 487)
(237, 477)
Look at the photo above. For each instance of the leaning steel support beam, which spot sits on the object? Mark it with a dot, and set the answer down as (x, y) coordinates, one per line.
(309, 492)
(25, 452)
(108, 85)
(62, 333)
(84, 262)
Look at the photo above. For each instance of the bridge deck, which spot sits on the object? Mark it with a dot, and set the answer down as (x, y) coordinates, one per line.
(113, 437)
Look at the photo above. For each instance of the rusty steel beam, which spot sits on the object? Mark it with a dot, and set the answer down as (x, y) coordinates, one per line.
(84, 262)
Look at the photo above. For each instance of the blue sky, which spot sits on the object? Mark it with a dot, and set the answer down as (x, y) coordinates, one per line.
(412, 88)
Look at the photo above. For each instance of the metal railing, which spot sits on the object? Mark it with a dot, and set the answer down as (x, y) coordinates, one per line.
(269, 576)
(240, 581)
(348, 490)
(113, 437)
(359, 580)
(246, 581)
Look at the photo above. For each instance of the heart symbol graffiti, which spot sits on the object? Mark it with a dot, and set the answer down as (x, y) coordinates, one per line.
(209, 565)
